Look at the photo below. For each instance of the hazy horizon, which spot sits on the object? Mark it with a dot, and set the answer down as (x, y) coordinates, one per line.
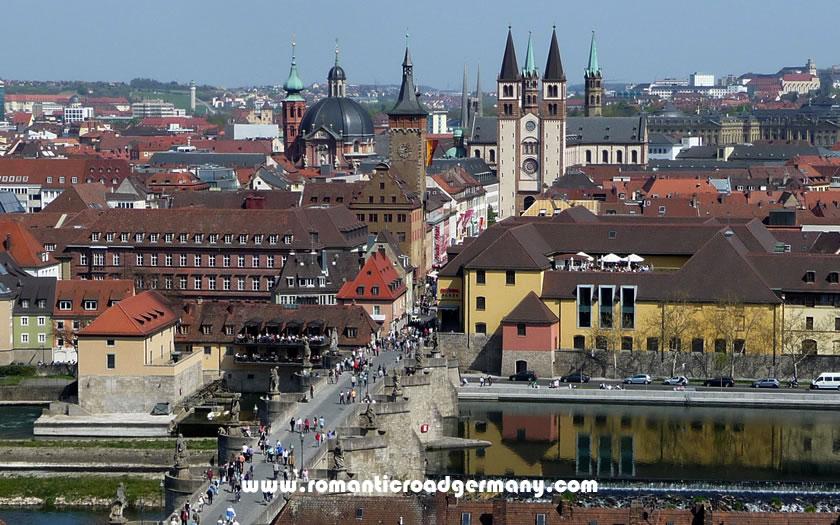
(214, 43)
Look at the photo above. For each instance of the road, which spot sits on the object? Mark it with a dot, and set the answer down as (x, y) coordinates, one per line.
(325, 403)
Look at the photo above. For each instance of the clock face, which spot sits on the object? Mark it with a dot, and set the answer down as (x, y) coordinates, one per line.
(530, 125)
(403, 151)
(529, 166)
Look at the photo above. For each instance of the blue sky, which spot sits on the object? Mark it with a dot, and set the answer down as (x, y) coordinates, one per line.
(247, 42)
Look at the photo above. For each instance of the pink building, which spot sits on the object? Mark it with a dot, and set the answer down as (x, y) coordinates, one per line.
(530, 335)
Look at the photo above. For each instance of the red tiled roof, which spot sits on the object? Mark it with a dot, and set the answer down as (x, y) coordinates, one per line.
(379, 272)
(18, 241)
(37, 171)
(26, 97)
(105, 293)
(234, 146)
(137, 316)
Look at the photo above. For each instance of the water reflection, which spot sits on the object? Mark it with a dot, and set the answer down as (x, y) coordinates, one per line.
(649, 442)
(17, 421)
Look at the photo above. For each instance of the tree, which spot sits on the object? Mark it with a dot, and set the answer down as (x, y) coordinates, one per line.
(675, 321)
(738, 326)
(491, 216)
(798, 341)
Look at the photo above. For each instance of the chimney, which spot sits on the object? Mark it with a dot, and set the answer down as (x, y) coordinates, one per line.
(7, 242)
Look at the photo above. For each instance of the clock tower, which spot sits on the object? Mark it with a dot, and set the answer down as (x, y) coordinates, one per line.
(407, 133)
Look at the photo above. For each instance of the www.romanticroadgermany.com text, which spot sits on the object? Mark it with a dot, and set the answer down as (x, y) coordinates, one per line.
(385, 485)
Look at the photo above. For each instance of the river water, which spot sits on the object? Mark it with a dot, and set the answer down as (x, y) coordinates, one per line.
(648, 443)
(61, 517)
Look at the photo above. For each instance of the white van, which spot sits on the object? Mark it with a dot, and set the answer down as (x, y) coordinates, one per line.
(827, 381)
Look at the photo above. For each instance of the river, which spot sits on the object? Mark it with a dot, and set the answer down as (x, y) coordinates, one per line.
(17, 421)
(648, 443)
(67, 517)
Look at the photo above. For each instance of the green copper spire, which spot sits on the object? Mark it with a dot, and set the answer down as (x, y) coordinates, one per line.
(530, 64)
(336, 51)
(293, 85)
(593, 68)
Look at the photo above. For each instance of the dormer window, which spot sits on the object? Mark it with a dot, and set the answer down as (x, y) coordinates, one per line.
(833, 277)
(360, 290)
(810, 276)
(374, 290)
(205, 329)
(198, 238)
(109, 237)
(258, 239)
(228, 238)
(168, 237)
(123, 237)
(272, 239)
(138, 237)
(243, 239)
(213, 238)
(94, 237)
(287, 239)
(65, 305)
(182, 238)
(154, 237)
(89, 304)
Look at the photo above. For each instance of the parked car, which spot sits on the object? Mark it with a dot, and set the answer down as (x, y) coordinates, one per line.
(767, 382)
(719, 381)
(525, 375)
(575, 377)
(826, 380)
(638, 379)
(676, 381)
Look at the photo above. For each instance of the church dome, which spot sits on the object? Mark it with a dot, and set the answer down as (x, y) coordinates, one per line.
(343, 116)
(336, 73)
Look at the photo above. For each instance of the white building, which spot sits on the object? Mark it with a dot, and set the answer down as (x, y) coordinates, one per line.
(437, 123)
(701, 80)
(666, 147)
(156, 108)
(77, 113)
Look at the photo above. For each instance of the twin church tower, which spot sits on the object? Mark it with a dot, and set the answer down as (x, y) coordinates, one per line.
(531, 134)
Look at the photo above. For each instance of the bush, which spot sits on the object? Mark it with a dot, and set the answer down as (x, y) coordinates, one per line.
(17, 370)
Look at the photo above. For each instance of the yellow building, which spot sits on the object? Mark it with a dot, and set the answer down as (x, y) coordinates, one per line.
(127, 362)
(684, 285)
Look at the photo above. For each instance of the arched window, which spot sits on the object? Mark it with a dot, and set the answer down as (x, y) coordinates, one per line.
(634, 155)
(492, 155)
(589, 156)
(591, 100)
(619, 156)
(477, 154)
(355, 146)
(605, 157)
(528, 202)
(809, 346)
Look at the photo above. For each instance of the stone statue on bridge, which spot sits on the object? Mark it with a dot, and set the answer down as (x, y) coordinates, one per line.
(307, 352)
(368, 418)
(339, 463)
(419, 358)
(182, 455)
(118, 506)
(234, 411)
(333, 340)
(274, 383)
(397, 391)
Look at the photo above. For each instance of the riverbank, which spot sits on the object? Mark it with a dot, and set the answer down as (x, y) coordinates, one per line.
(722, 398)
(85, 491)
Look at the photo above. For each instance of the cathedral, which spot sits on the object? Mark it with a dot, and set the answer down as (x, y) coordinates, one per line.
(531, 134)
(336, 131)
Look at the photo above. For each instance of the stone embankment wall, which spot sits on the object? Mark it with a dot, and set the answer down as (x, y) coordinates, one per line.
(110, 459)
(484, 354)
(39, 389)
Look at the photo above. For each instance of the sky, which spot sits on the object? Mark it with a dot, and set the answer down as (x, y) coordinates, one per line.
(233, 43)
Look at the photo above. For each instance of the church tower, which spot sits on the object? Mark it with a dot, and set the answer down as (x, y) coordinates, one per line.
(337, 79)
(593, 81)
(530, 81)
(476, 109)
(553, 115)
(407, 132)
(509, 93)
(294, 106)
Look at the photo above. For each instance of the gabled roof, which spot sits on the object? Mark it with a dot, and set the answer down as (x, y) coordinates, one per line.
(105, 293)
(79, 197)
(378, 272)
(524, 249)
(137, 316)
(531, 310)
(20, 243)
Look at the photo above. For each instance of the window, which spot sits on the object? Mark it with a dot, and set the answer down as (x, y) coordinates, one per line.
(520, 329)
(627, 344)
(833, 277)
(243, 239)
(109, 342)
(539, 519)
(138, 259)
(226, 261)
(153, 259)
(226, 283)
(510, 277)
(652, 344)
(401, 236)
(167, 282)
(351, 331)
(138, 237)
(258, 239)
(153, 237)
(466, 517)
(697, 344)
(211, 261)
(24, 338)
(605, 308)
(675, 344)
(720, 346)
(167, 259)
(272, 239)
(255, 284)
(287, 239)
(182, 260)
(197, 283)
(584, 306)
(24, 321)
(213, 238)
(480, 328)
(168, 237)
(810, 276)
(111, 361)
(480, 277)
(197, 260)
(89, 304)
(241, 261)
(182, 283)
(837, 324)
(255, 261)
(240, 283)
(401, 217)
(182, 238)
(480, 302)
(65, 305)
(198, 238)
(374, 290)
(628, 308)
(211, 283)
(83, 259)
(42, 338)
(809, 323)
(377, 310)
(739, 346)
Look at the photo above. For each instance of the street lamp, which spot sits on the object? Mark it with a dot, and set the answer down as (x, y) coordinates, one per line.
(163, 500)
(300, 469)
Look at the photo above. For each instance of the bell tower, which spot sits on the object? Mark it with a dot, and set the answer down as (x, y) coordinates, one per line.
(553, 115)
(294, 106)
(407, 132)
(593, 81)
(509, 93)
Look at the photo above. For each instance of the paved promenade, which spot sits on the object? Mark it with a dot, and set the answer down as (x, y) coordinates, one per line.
(827, 400)
(251, 506)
